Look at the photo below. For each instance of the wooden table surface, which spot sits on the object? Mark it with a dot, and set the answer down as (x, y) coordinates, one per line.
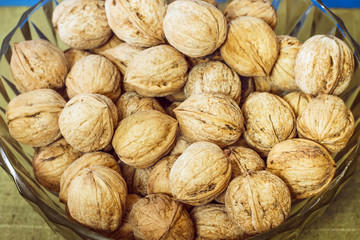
(18, 221)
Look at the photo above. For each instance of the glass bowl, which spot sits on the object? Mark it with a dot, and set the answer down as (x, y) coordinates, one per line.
(300, 18)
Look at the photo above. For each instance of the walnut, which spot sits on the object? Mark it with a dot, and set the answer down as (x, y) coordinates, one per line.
(262, 84)
(156, 72)
(94, 74)
(50, 162)
(72, 55)
(96, 198)
(298, 101)
(157, 216)
(141, 139)
(305, 166)
(131, 102)
(212, 222)
(210, 117)
(138, 23)
(213, 77)
(180, 144)
(170, 109)
(258, 201)
(262, 9)
(253, 53)
(247, 87)
(215, 56)
(194, 27)
(32, 117)
(268, 120)
(87, 122)
(200, 174)
(212, 2)
(85, 161)
(176, 97)
(81, 24)
(113, 42)
(37, 64)
(158, 181)
(324, 64)
(328, 121)
(136, 178)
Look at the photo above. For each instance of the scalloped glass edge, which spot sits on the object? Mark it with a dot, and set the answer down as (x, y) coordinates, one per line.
(303, 212)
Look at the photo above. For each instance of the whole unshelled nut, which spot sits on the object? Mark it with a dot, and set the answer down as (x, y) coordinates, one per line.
(136, 178)
(72, 55)
(298, 101)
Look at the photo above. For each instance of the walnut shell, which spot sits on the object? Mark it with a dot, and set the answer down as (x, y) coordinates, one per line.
(327, 121)
(212, 222)
(200, 174)
(81, 24)
(268, 120)
(32, 117)
(305, 166)
(85, 161)
(157, 216)
(253, 53)
(213, 77)
(72, 55)
(136, 178)
(50, 162)
(176, 97)
(324, 64)
(212, 2)
(181, 144)
(210, 117)
(262, 9)
(156, 72)
(215, 56)
(113, 42)
(87, 122)
(258, 201)
(138, 23)
(298, 101)
(37, 64)
(197, 34)
(97, 197)
(94, 74)
(170, 109)
(141, 139)
(131, 102)
(262, 84)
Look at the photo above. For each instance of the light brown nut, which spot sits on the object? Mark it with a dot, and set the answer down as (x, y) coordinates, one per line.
(81, 24)
(253, 53)
(138, 23)
(176, 97)
(158, 181)
(200, 174)
(157, 216)
(212, 222)
(327, 121)
(131, 102)
(32, 117)
(113, 42)
(194, 27)
(37, 64)
(213, 77)
(324, 64)
(136, 178)
(156, 72)
(268, 120)
(143, 138)
(170, 109)
(263, 84)
(94, 74)
(212, 2)
(87, 122)
(298, 101)
(181, 144)
(50, 162)
(255, 8)
(210, 117)
(215, 56)
(72, 55)
(305, 166)
(97, 198)
(85, 161)
(258, 201)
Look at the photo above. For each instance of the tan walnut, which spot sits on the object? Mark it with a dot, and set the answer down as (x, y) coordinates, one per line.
(328, 121)
(156, 72)
(37, 64)
(81, 24)
(32, 117)
(87, 122)
(215, 56)
(197, 34)
(143, 138)
(136, 178)
(298, 101)
(210, 117)
(176, 97)
(268, 120)
(212, 2)
(305, 166)
(138, 23)
(72, 55)
(258, 201)
(170, 109)
(200, 174)
(324, 64)
(111, 43)
(181, 144)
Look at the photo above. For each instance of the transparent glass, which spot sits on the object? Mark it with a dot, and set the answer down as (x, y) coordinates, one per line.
(300, 18)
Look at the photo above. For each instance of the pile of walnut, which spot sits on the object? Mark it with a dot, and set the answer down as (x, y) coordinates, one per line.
(170, 130)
